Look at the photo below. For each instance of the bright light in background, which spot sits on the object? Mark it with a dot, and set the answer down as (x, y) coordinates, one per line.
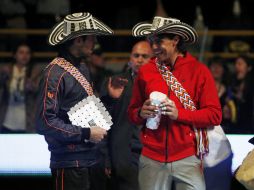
(24, 154)
(28, 153)
(240, 147)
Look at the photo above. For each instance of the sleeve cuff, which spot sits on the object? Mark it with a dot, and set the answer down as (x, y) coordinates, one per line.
(139, 120)
(85, 134)
(182, 115)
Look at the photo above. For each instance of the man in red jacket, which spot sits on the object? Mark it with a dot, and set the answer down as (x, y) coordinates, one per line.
(171, 153)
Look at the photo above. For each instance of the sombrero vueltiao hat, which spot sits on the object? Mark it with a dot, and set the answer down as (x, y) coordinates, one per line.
(77, 24)
(162, 25)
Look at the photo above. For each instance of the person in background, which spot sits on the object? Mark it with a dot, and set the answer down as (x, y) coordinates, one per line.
(171, 153)
(219, 177)
(74, 150)
(221, 75)
(243, 94)
(124, 143)
(18, 88)
(96, 65)
(97, 68)
(119, 169)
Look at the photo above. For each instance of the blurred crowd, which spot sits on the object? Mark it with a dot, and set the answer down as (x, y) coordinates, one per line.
(235, 93)
(19, 82)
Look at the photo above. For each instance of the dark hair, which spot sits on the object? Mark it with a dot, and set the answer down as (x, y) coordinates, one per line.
(23, 43)
(135, 40)
(181, 46)
(217, 60)
(61, 48)
(246, 58)
(30, 65)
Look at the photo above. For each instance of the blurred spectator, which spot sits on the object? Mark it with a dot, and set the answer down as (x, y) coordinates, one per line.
(18, 86)
(221, 75)
(124, 143)
(99, 74)
(243, 92)
(97, 68)
(219, 177)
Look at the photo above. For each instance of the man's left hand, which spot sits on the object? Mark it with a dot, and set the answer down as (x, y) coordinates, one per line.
(116, 86)
(169, 109)
(108, 172)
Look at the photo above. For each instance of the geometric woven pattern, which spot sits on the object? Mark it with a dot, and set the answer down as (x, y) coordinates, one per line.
(67, 66)
(162, 25)
(77, 24)
(177, 88)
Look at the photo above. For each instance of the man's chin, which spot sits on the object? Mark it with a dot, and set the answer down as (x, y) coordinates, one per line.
(85, 56)
(160, 58)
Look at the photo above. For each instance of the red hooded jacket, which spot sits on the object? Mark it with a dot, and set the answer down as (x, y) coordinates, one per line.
(175, 140)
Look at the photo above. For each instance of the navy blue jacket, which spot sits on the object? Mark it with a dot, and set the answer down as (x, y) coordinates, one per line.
(59, 91)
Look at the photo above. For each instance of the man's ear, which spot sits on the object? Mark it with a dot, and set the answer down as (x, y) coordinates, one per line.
(176, 39)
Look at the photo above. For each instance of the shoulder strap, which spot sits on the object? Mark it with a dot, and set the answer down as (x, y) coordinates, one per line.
(67, 66)
(176, 87)
(185, 99)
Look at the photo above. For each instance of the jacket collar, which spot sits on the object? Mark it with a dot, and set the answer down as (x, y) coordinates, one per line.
(70, 58)
(180, 60)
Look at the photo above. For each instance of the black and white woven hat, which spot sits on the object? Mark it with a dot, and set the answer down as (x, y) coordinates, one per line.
(162, 25)
(77, 24)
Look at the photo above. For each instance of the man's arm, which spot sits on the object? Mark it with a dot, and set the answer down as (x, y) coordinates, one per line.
(136, 102)
(49, 101)
(209, 112)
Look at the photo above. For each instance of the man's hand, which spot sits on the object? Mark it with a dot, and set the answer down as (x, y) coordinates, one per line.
(108, 172)
(116, 86)
(97, 134)
(148, 110)
(168, 108)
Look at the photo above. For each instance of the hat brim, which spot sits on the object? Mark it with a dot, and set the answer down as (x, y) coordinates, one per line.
(188, 34)
(57, 36)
